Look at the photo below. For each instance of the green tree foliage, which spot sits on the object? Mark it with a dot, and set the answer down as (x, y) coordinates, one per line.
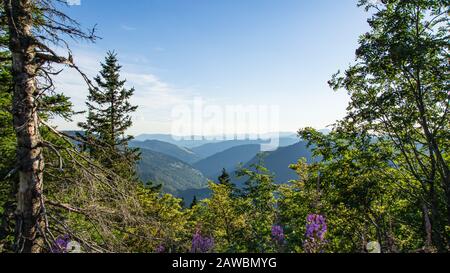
(223, 217)
(297, 200)
(399, 92)
(364, 196)
(240, 222)
(7, 137)
(259, 202)
(109, 118)
(169, 228)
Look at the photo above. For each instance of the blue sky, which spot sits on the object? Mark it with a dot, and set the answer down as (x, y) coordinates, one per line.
(279, 52)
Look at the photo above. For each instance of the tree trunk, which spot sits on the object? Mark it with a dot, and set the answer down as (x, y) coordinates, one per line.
(435, 218)
(448, 217)
(29, 223)
(428, 228)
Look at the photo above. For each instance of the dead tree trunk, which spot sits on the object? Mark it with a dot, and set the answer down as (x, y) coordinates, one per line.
(30, 160)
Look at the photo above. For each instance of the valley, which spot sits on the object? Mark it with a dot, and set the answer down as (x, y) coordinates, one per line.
(184, 171)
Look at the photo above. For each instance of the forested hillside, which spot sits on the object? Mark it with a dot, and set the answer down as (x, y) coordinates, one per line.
(173, 174)
(278, 162)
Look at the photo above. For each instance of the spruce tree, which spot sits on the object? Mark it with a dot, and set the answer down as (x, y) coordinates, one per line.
(224, 178)
(194, 202)
(109, 118)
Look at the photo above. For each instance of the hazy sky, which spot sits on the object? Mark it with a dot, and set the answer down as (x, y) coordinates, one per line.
(264, 52)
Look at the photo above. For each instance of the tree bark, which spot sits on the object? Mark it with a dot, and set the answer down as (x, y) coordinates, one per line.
(30, 160)
(428, 229)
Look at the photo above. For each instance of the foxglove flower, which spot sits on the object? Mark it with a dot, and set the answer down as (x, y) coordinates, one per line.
(316, 229)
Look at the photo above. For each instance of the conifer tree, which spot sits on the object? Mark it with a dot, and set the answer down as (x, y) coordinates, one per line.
(109, 118)
(224, 178)
(194, 202)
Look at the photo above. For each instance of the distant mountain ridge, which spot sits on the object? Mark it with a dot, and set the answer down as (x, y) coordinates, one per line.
(196, 141)
(188, 142)
(211, 149)
(181, 153)
(212, 166)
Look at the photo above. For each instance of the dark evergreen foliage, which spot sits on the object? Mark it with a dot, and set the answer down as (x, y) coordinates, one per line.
(109, 117)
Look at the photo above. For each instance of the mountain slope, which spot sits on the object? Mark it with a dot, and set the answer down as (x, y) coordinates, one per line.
(228, 159)
(169, 149)
(277, 162)
(175, 175)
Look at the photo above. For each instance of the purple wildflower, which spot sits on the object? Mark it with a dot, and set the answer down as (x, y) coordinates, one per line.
(201, 244)
(316, 229)
(60, 244)
(278, 233)
(160, 249)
